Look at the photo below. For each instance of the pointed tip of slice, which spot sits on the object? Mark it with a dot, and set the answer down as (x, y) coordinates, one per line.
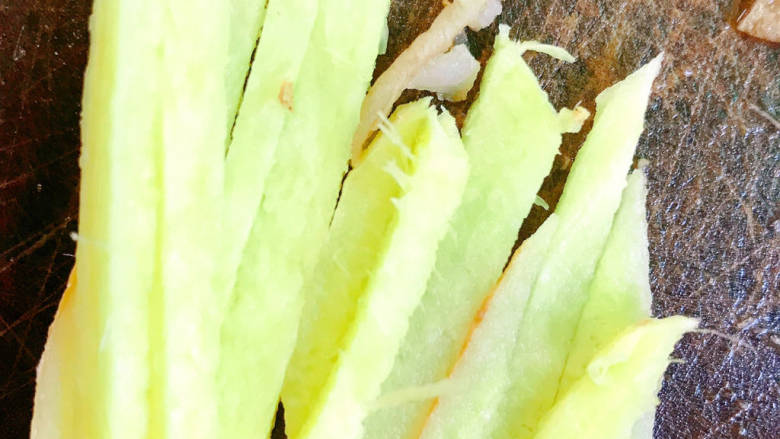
(665, 333)
(652, 68)
(640, 81)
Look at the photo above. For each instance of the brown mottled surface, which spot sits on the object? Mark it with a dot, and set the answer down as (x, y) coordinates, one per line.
(713, 142)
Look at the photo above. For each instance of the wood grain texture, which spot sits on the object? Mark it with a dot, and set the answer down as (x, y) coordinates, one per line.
(713, 141)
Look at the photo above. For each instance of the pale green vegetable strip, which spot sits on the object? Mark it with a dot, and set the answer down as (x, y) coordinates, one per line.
(483, 373)
(300, 193)
(246, 20)
(586, 209)
(260, 120)
(511, 135)
(358, 234)
(620, 291)
(279, 55)
(620, 384)
(193, 96)
(98, 354)
(342, 357)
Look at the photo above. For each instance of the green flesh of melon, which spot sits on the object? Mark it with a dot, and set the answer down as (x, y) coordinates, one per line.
(245, 410)
(134, 345)
(299, 196)
(191, 276)
(186, 317)
(619, 297)
(619, 294)
(511, 135)
(279, 56)
(619, 386)
(353, 249)
(76, 395)
(394, 210)
(483, 373)
(585, 211)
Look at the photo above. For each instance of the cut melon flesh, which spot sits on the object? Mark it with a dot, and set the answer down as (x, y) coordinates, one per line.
(585, 211)
(136, 344)
(483, 373)
(619, 386)
(299, 196)
(361, 227)
(278, 59)
(246, 20)
(98, 349)
(394, 210)
(186, 317)
(279, 55)
(619, 295)
(511, 135)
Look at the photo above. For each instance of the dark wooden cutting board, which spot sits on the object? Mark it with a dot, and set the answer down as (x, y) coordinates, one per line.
(713, 142)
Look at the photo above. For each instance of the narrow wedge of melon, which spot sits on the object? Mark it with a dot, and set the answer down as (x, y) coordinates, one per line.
(619, 294)
(511, 135)
(278, 58)
(362, 225)
(93, 380)
(136, 343)
(186, 316)
(394, 209)
(483, 372)
(585, 211)
(620, 384)
(299, 196)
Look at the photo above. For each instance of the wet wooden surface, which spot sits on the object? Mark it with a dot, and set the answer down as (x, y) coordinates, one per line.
(713, 142)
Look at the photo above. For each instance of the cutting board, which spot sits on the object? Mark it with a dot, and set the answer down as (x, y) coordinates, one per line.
(712, 140)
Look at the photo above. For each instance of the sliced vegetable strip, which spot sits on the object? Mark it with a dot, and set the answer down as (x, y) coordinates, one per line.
(483, 373)
(586, 209)
(94, 375)
(244, 408)
(393, 211)
(511, 134)
(186, 318)
(620, 384)
(138, 332)
(278, 59)
(299, 197)
(619, 295)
